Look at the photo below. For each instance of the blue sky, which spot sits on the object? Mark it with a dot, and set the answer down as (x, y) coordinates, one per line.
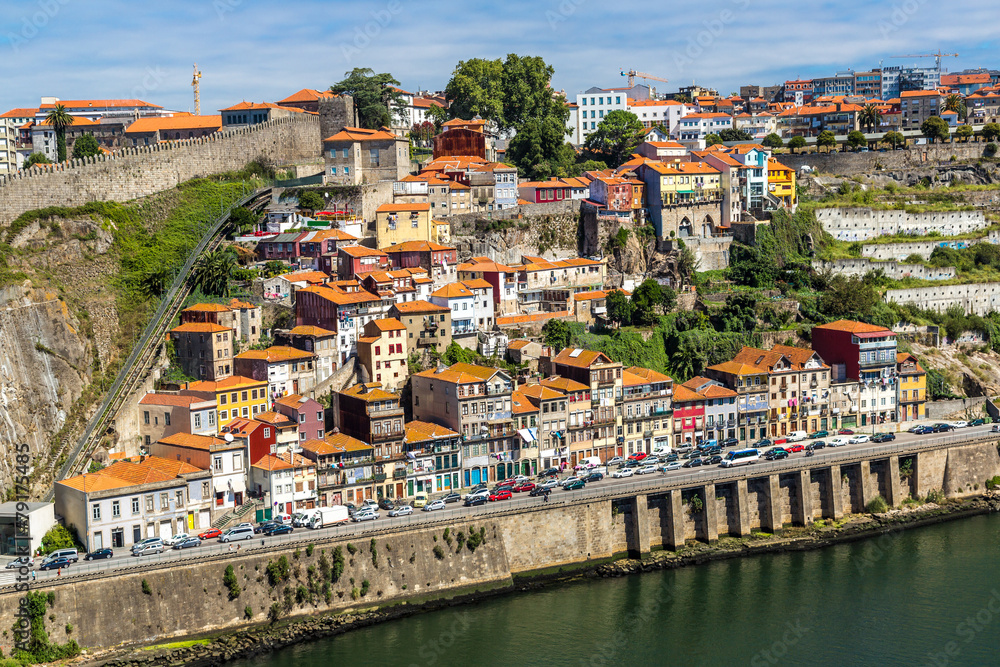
(256, 50)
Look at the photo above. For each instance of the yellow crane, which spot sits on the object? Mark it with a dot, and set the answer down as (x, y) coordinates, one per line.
(197, 90)
(937, 57)
(632, 74)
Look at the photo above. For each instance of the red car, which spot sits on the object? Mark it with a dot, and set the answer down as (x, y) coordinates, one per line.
(638, 456)
(507, 482)
(501, 494)
(210, 534)
(845, 431)
(794, 448)
(526, 486)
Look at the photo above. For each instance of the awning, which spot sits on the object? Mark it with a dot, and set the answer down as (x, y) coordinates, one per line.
(237, 484)
(547, 453)
(219, 484)
(528, 434)
(229, 484)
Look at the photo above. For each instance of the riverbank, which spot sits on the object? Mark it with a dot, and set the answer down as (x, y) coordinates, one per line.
(262, 639)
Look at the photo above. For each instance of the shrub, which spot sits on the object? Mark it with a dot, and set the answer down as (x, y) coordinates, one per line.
(278, 571)
(301, 594)
(355, 593)
(877, 505)
(310, 549)
(351, 549)
(993, 482)
(438, 551)
(936, 496)
(230, 582)
(364, 587)
(338, 565)
(991, 149)
(145, 588)
(696, 503)
(274, 613)
(374, 548)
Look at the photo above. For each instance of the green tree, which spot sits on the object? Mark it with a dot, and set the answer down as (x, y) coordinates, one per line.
(86, 146)
(437, 115)
(954, 102)
(476, 89)
(650, 299)
(377, 99)
(795, 143)
(731, 134)
(60, 119)
(620, 308)
(991, 132)
(851, 297)
(58, 537)
(773, 141)
(243, 219)
(827, 138)
(615, 138)
(581, 168)
(556, 333)
(311, 200)
(527, 93)
(751, 266)
(213, 272)
(935, 128)
(539, 149)
(856, 139)
(894, 139)
(275, 267)
(35, 158)
(869, 117)
(712, 139)
(739, 313)
(964, 132)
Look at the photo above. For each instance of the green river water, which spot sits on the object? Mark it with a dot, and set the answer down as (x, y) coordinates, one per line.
(929, 596)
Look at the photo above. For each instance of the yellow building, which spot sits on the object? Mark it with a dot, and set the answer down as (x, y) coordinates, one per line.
(781, 182)
(912, 388)
(398, 223)
(235, 396)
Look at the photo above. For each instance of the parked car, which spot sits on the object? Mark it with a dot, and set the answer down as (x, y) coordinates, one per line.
(548, 472)
(859, 439)
(922, 430)
(452, 498)
(478, 491)
(503, 493)
(977, 422)
(22, 561)
(670, 458)
(101, 554)
(730, 442)
(476, 500)
(638, 456)
(237, 533)
(819, 444)
(568, 480)
(55, 564)
(573, 486)
(365, 515)
(883, 437)
(623, 472)
(845, 431)
(401, 510)
(915, 429)
(264, 525)
(524, 486)
(434, 505)
(960, 424)
(280, 529)
(943, 428)
(776, 454)
(762, 443)
(539, 491)
(714, 460)
(549, 484)
(792, 449)
(593, 477)
(672, 465)
(614, 461)
(647, 470)
(151, 545)
(179, 537)
(693, 463)
(995, 428)
(819, 434)
(188, 543)
(839, 441)
(385, 504)
(211, 534)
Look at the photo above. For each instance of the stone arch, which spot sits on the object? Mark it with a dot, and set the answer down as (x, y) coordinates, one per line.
(707, 226)
(685, 228)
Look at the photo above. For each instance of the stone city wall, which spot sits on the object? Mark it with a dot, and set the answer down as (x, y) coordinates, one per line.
(859, 267)
(862, 224)
(976, 298)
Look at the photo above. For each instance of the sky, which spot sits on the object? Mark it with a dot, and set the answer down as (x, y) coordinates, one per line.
(264, 51)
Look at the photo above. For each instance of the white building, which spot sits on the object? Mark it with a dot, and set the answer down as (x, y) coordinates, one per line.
(471, 304)
(10, 125)
(594, 104)
(288, 479)
(659, 112)
(110, 508)
(227, 460)
(694, 127)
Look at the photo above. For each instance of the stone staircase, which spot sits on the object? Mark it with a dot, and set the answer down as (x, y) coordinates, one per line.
(237, 514)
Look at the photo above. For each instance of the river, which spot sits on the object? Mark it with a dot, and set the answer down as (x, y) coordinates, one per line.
(929, 596)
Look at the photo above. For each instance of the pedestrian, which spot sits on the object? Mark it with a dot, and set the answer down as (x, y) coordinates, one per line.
(262, 543)
(238, 547)
(34, 575)
(59, 572)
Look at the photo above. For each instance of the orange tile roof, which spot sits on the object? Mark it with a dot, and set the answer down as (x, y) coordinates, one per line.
(175, 400)
(274, 419)
(420, 306)
(129, 473)
(416, 246)
(227, 384)
(269, 462)
(520, 404)
(191, 441)
(460, 373)
(541, 392)
(340, 297)
(207, 308)
(244, 105)
(646, 375)
(311, 331)
(585, 358)
(419, 431)
(19, 113)
(335, 443)
(485, 265)
(902, 357)
(360, 251)
(920, 93)
(275, 354)
(399, 208)
(200, 327)
(236, 304)
(518, 344)
(563, 384)
(353, 134)
(453, 291)
(388, 324)
(477, 283)
(77, 122)
(853, 327)
(738, 368)
(175, 123)
(371, 391)
(307, 95)
(73, 105)
(317, 277)
(293, 401)
(598, 294)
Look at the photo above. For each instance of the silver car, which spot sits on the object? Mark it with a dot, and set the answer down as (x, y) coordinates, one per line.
(434, 505)
(366, 515)
(402, 510)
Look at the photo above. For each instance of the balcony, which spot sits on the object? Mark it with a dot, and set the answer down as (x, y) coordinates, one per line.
(399, 473)
(665, 412)
(379, 477)
(387, 435)
(603, 419)
(647, 434)
(427, 342)
(813, 384)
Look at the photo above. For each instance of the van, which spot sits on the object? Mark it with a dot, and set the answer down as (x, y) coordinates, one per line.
(69, 554)
(588, 463)
(150, 545)
(797, 436)
(239, 533)
(283, 518)
(419, 500)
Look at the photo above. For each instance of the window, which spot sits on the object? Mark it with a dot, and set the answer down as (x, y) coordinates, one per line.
(222, 399)
(135, 506)
(267, 432)
(149, 503)
(217, 464)
(205, 490)
(116, 509)
(197, 420)
(224, 415)
(347, 171)
(243, 395)
(145, 416)
(237, 462)
(345, 153)
(164, 501)
(95, 512)
(166, 418)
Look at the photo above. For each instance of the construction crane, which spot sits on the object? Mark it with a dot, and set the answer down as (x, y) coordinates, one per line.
(937, 57)
(631, 74)
(197, 90)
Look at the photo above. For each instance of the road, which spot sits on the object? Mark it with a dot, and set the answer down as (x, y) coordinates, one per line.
(607, 488)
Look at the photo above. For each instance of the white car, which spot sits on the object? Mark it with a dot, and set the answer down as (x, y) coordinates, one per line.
(995, 428)
(859, 439)
(478, 492)
(838, 442)
(176, 539)
(365, 515)
(434, 505)
(614, 460)
(402, 510)
(568, 480)
(647, 470)
(623, 472)
(548, 484)
(674, 465)
(960, 424)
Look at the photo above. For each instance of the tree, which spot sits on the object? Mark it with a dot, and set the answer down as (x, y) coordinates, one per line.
(894, 139)
(275, 267)
(773, 141)
(850, 297)
(58, 537)
(621, 310)
(991, 132)
(539, 149)
(60, 119)
(731, 134)
(935, 128)
(377, 100)
(650, 299)
(214, 270)
(712, 139)
(243, 219)
(423, 132)
(615, 137)
(751, 266)
(311, 200)
(965, 132)
(739, 313)
(35, 158)
(856, 139)
(827, 138)
(438, 115)
(796, 143)
(476, 89)
(556, 333)
(687, 264)
(954, 102)
(86, 146)
(869, 117)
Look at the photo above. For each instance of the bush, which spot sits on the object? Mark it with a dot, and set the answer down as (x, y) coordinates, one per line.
(309, 550)
(877, 505)
(993, 483)
(338, 565)
(374, 548)
(145, 588)
(301, 594)
(438, 551)
(278, 571)
(60, 537)
(230, 581)
(351, 549)
(936, 496)
(274, 613)
(991, 149)
(355, 593)
(364, 587)
(248, 612)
